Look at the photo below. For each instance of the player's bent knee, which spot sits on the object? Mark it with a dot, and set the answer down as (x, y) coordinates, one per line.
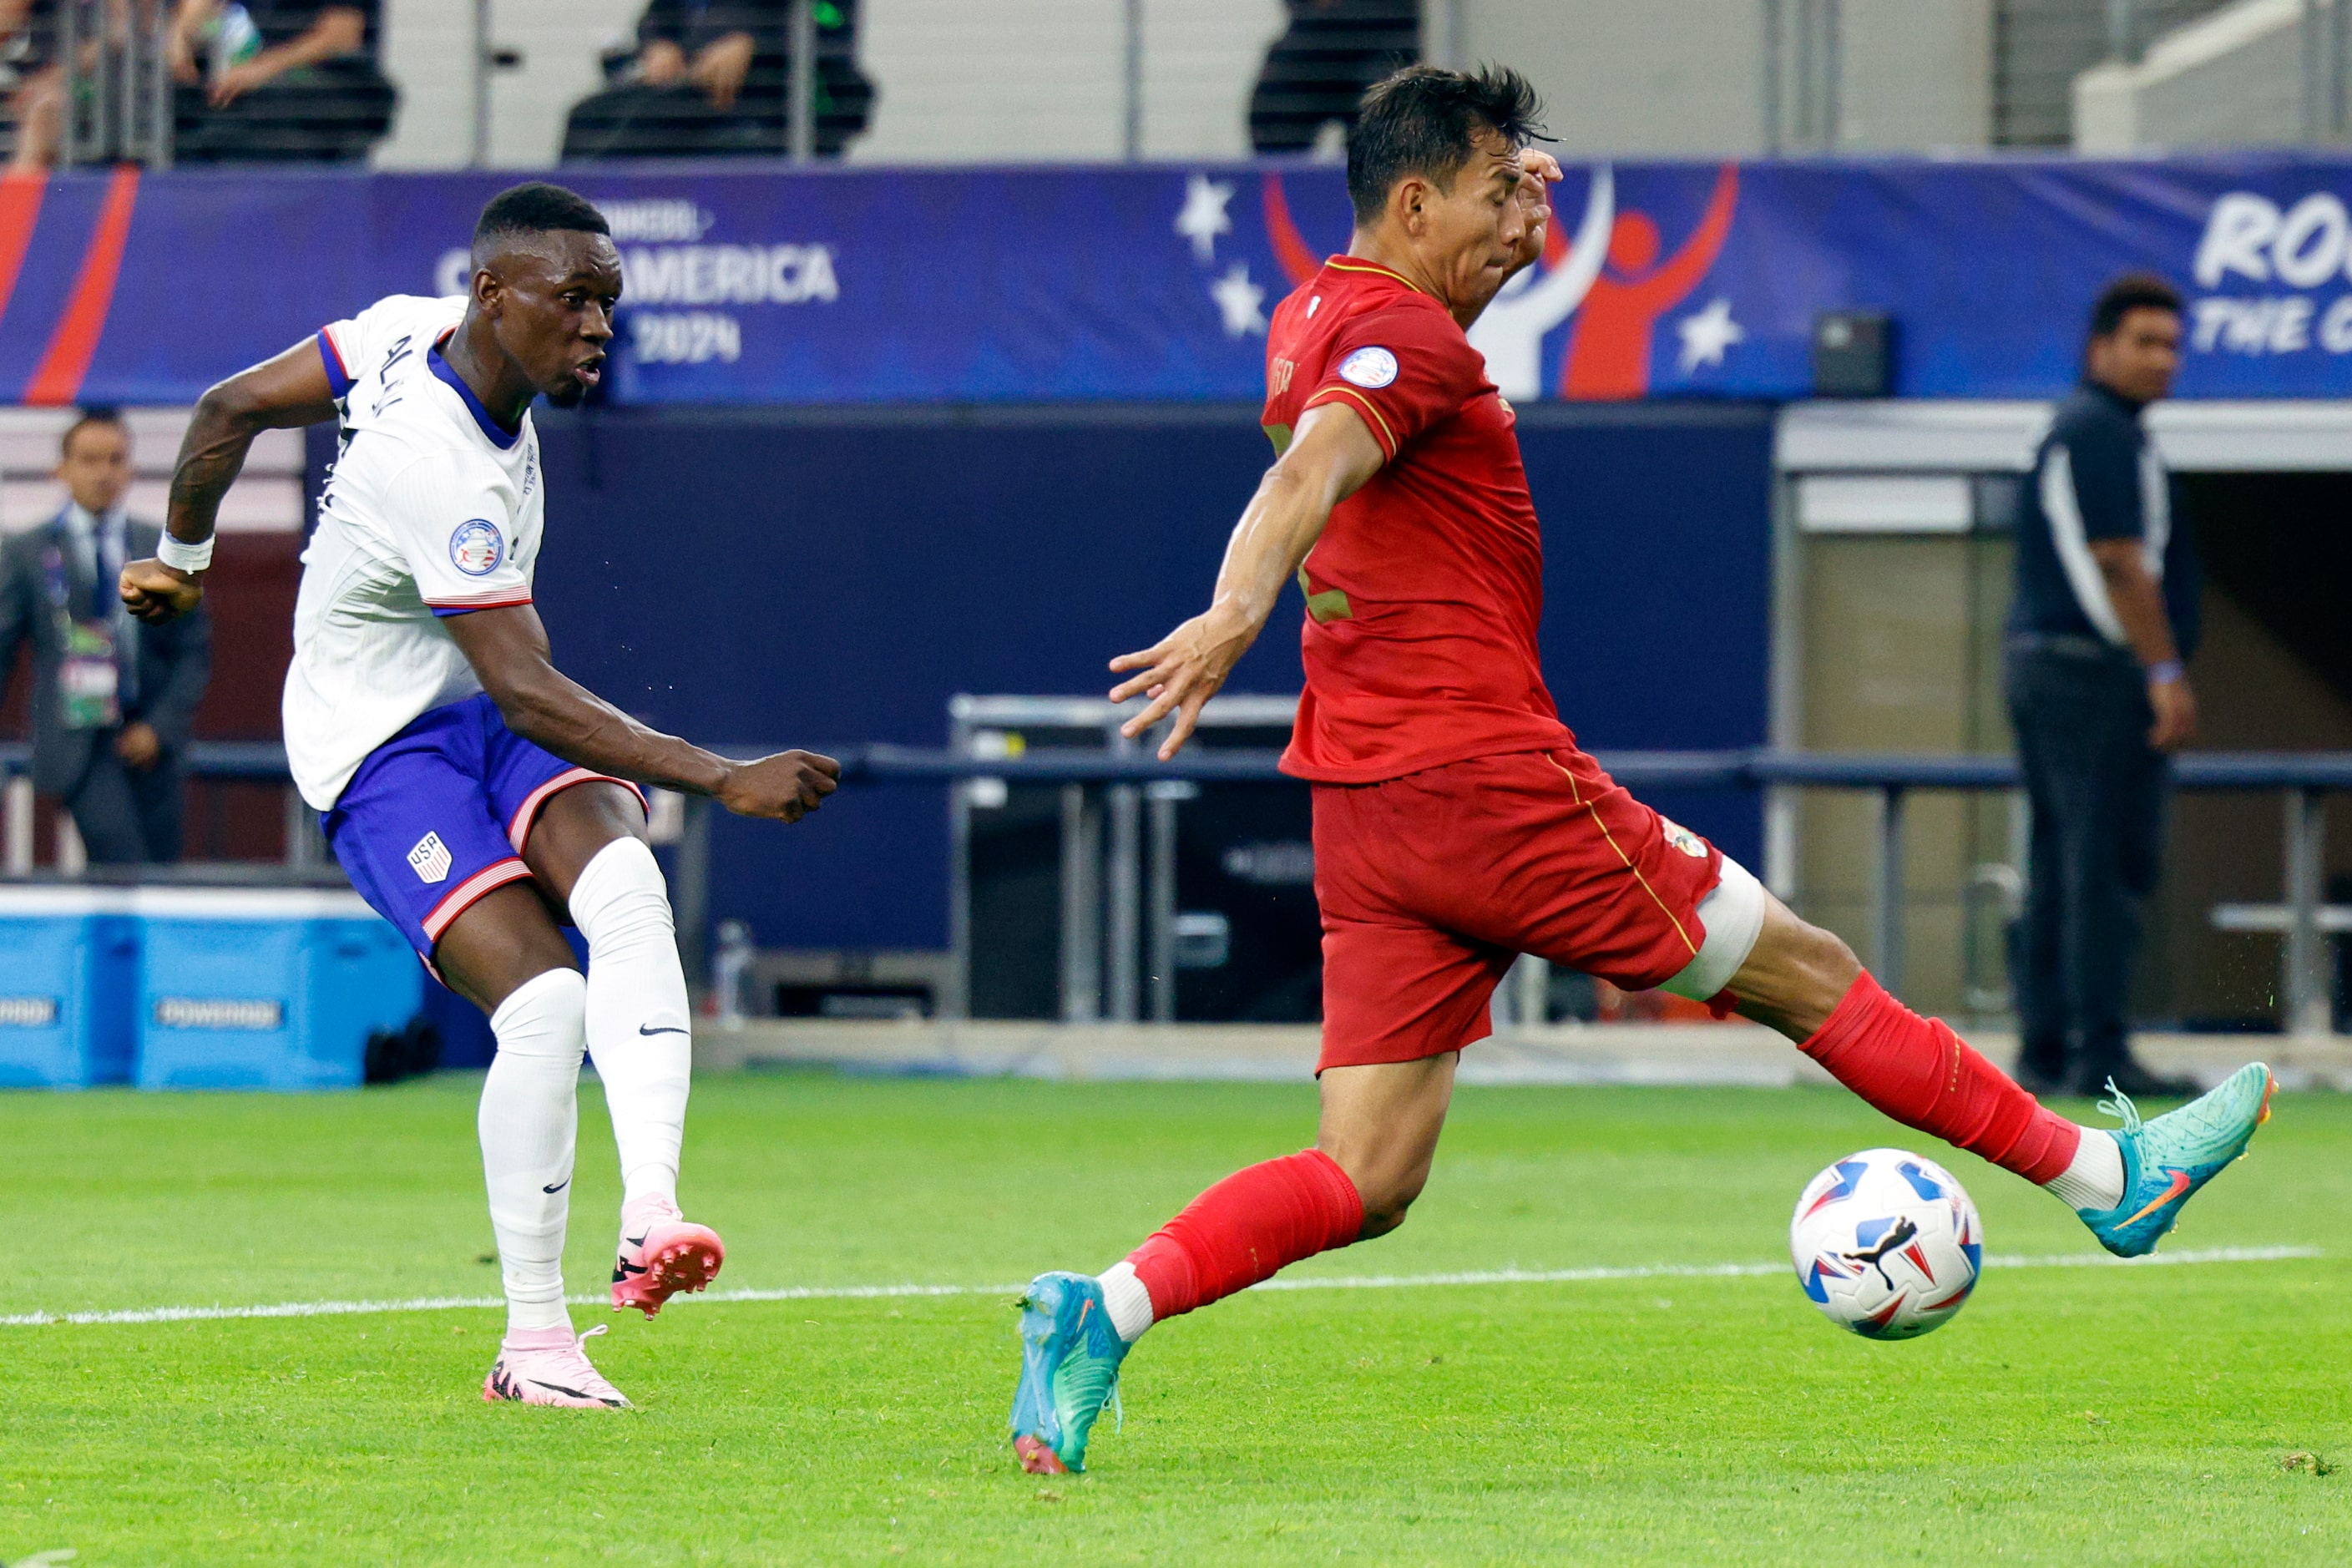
(546, 1016)
(1387, 1185)
(620, 896)
(1384, 1184)
(1831, 967)
(1796, 975)
(1387, 1212)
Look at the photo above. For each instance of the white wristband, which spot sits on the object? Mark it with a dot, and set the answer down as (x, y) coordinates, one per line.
(189, 558)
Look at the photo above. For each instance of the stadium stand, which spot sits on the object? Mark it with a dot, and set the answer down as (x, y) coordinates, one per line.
(1316, 71)
(29, 80)
(301, 87)
(210, 81)
(714, 81)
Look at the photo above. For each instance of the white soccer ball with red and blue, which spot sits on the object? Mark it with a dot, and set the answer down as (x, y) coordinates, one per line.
(1886, 1243)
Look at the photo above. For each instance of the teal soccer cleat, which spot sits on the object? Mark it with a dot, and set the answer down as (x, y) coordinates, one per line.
(2167, 1160)
(1069, 1371)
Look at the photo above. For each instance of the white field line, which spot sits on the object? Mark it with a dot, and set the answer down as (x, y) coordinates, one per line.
(1335, 1282)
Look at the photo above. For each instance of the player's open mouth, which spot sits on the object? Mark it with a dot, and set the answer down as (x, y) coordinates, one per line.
(590, 372)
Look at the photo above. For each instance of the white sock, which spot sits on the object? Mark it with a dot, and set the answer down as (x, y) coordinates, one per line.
(2094, 1178)
(1128, 1301)
(637, 1013)
(530, 1111)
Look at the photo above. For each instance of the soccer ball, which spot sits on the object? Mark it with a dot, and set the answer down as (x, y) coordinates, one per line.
(1886, 1243)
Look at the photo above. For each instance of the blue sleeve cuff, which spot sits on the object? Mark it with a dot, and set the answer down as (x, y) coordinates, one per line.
(339, 375)
(494, 602)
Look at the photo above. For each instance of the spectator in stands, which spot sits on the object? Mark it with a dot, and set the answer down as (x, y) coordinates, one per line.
(712, 79)
(2106, 614)
(112, 701)
(277, 81)
(36, 96)
(1317, 70)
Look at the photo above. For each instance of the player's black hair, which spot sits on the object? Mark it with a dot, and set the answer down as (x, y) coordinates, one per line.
(2132, 291)
(1425, 119)
(87, 415)
(536, 208)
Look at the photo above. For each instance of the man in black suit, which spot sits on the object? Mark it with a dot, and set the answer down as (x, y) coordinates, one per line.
(113, 700)
(2108, 606)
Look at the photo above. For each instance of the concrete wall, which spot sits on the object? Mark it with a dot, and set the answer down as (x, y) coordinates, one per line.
(2231, 80)
(1665, 77)
(1688, 77)
(1917, 76)
(1045, 81)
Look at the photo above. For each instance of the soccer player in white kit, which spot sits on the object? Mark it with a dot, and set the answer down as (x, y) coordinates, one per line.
(475, 795)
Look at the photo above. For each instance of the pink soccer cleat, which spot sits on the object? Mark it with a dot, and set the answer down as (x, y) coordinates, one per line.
(662, 1253)
(549, 1366)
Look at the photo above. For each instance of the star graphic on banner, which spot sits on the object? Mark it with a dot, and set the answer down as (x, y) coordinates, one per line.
(1240, 299)
(1706, 334)
(1204, 217)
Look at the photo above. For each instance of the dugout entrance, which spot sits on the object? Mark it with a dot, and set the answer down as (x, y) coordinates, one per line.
(1893, 557)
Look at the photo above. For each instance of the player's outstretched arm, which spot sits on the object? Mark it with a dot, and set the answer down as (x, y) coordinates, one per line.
(1330, 457)
(278, 393)
(507, 649)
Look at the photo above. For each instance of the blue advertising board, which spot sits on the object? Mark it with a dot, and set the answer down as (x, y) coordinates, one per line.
(1154, 282)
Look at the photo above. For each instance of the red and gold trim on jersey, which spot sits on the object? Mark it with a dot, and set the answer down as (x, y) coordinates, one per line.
(1374, 420)
(1358, 264)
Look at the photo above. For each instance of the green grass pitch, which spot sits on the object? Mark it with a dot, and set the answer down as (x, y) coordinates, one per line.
(2070, 1415)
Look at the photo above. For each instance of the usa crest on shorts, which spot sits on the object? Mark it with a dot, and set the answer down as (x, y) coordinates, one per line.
(430, 859)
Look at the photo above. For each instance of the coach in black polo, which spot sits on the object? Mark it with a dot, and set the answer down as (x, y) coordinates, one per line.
(2105, 613)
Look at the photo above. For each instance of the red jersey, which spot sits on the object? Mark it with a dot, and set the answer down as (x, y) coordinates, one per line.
(1423, 592)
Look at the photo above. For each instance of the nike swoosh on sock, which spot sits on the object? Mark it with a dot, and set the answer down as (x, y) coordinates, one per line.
(559, 1186)
(659, 1029)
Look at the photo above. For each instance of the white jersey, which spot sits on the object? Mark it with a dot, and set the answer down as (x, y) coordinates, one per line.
(430, 510)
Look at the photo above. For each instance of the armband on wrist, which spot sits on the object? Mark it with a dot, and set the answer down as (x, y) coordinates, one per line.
(2165, 674)
(189, 558)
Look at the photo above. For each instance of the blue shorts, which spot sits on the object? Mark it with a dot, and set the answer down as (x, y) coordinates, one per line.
(437, 816)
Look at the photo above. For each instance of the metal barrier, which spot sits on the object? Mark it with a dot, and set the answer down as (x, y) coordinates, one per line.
(2303, 779)
(117, 86)
(1112, 782)
(254, 761)
(1104, 834)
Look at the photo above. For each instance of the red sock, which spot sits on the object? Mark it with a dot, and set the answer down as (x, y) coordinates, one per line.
(1246, 1227)
(1920, 1073)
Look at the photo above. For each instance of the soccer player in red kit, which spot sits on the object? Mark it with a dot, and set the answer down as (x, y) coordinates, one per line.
(1456, 823)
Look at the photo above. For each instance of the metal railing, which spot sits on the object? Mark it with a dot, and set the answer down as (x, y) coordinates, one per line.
(305, 859)
(1109, 931)
(118, 88)
(1115, 925)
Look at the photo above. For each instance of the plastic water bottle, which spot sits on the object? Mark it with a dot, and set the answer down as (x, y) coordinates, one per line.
(232, 36)
(729, 967)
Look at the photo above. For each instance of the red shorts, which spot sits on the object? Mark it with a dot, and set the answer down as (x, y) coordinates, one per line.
(1431, 885)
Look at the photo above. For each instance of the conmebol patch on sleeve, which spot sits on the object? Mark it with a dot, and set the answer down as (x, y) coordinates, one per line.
(1372, 368)
(477, 547)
